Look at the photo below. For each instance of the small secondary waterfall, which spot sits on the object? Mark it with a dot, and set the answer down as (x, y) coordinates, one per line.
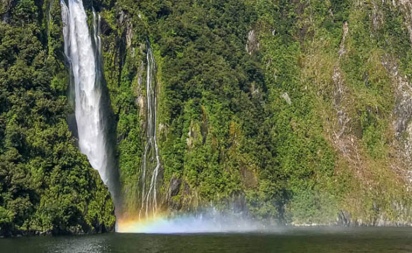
(151, 157)
(92, 106)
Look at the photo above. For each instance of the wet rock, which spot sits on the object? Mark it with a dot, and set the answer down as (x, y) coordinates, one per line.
(174, 186)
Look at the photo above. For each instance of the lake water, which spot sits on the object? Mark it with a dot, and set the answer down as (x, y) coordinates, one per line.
(292, 240)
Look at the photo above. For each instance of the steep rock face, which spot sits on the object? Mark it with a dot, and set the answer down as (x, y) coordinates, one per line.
(295, 111)
(403, 95)
(364, 125)
(301, 109)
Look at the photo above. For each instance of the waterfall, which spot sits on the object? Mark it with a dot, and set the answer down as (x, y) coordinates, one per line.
(151, 151)
(92, 106)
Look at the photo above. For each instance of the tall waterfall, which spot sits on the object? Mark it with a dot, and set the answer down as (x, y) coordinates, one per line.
(92, 106)
(151, 157)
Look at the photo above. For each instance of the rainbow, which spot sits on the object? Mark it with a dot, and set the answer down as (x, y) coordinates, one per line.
(215, 223)
(138, 225)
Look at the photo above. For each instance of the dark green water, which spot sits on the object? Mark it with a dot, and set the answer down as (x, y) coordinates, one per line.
(296, 240)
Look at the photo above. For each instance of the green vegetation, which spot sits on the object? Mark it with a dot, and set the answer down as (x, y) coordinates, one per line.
(45, 184)
(266, 123)
(290, 106)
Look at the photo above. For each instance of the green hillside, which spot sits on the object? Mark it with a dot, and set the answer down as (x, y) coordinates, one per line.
(296, 112)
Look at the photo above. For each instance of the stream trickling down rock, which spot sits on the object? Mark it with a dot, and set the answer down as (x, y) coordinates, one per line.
(151, 152)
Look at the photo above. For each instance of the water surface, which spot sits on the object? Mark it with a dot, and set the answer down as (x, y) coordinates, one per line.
(317, 240)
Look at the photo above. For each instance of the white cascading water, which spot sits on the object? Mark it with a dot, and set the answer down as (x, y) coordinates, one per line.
(83, 54)
(151, 152)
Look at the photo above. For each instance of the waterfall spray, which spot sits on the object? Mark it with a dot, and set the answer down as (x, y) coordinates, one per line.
(92, 107)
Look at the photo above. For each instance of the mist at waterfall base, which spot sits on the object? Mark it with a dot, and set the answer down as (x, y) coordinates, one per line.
(208, 221)
(82, 49)
(92, 113)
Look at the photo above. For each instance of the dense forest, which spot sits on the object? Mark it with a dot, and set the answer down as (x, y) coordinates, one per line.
(294, 112)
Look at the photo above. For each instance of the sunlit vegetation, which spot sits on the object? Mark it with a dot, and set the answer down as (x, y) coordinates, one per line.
(282, 109)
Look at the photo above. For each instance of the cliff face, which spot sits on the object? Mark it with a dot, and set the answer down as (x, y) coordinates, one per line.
(293, 111)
